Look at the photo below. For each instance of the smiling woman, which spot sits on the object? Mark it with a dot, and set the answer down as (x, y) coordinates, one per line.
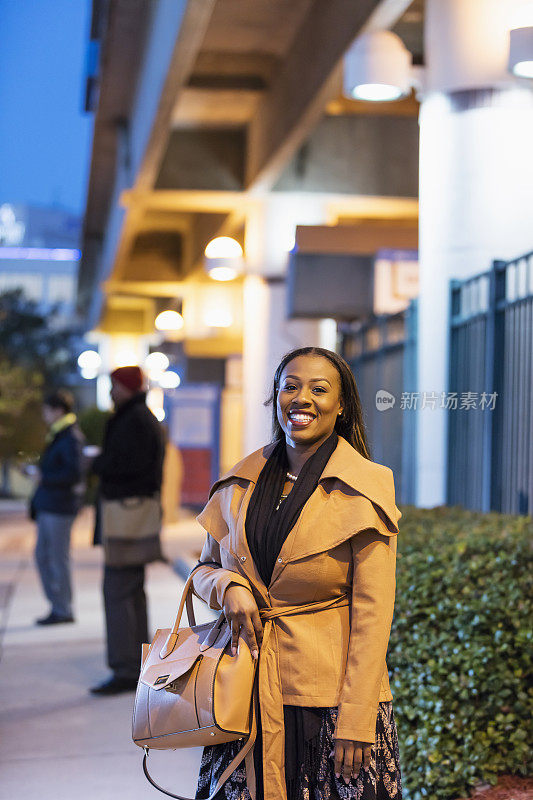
(308, 404)
(317, 383)
(301, 554)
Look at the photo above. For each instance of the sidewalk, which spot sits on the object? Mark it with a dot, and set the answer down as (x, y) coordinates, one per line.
(58, 742)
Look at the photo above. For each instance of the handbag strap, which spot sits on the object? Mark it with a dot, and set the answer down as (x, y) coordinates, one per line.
(232, 766)
(186, 601)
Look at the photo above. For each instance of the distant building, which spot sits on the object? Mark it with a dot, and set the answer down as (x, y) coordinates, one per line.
(39, 253)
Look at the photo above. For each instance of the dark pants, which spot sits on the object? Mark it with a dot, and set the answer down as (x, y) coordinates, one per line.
(126, 619)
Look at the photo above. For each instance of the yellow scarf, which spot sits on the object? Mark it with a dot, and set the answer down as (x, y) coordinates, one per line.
(59, 425)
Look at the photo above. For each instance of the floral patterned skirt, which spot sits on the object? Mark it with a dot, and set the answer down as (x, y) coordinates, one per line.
(316, 779)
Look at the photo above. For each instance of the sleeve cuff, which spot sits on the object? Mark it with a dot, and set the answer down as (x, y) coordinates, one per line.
(226, 579)
(356, 722)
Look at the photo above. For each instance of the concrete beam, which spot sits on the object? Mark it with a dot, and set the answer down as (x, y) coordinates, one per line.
(191, 34)
(385, 15)
(301, 89)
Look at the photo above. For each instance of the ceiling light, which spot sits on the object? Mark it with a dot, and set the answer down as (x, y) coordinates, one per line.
(376, 92)
(223, 273)
(521, 52)
(223, 247)
(377, 67)
(223, 258)
(169, 320)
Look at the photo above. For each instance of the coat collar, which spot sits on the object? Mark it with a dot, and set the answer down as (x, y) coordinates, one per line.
(374, 481)
(137, 399)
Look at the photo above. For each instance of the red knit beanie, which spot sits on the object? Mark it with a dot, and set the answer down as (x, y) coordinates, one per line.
(130, 377)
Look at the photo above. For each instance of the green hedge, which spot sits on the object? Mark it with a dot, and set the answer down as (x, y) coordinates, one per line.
(92, 422)
(460, 651)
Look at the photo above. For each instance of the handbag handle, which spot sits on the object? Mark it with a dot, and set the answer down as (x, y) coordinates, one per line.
(186, 601)
(245, 751)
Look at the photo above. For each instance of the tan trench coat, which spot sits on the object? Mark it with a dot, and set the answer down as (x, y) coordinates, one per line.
(344, 539)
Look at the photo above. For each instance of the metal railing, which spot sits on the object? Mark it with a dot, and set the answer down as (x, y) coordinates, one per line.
(490, 453)
(382, 355)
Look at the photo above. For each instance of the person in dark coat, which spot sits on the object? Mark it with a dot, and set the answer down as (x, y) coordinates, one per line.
(56, 502)
(130, 467)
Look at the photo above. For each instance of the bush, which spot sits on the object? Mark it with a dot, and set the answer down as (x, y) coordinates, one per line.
(92, 422)
(460, 650)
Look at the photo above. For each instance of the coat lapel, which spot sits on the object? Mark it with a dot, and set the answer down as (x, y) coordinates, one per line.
(353, 493)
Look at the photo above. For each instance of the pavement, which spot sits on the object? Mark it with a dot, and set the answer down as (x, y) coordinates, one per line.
(56, 740)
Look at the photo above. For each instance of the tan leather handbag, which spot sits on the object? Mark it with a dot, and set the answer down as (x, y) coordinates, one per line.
(192, 692)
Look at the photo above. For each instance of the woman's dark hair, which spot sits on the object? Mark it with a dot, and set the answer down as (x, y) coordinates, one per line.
(60, 398)
(350, 424)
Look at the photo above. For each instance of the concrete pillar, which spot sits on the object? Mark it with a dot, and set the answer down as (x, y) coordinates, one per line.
(476, 187)
(268, 334)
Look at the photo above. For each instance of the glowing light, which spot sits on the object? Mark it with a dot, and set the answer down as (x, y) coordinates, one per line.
(169, 380)
(156, 363)
(376, 92)
(223, 247)
(40, 254)
(377, 67)
(11, 229)
(218, 318)
(524, 69)
(125, 357)
(290, 242)
(88, 373)
(521, 15)
(103, 398)
(154, 401)
(169, 321)
(89, 360)
(520, 61)
(223, 273)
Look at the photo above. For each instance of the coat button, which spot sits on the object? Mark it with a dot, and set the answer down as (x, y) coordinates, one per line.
(280, 561)
(243, 558)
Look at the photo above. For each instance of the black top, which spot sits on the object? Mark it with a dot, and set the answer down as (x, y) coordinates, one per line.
(131, 463)
(266, 528)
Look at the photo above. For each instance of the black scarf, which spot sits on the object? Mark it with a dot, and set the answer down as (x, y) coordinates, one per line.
(266, 529)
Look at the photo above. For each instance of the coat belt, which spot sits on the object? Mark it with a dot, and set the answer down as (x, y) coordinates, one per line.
(271, 699)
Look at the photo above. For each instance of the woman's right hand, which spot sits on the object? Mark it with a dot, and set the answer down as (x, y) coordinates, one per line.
(242, 613)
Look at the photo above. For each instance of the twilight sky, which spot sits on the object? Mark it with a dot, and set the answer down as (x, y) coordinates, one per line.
(45, 136)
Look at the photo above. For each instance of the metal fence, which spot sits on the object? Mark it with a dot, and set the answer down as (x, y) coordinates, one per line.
(490, 447)
(382, 355)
